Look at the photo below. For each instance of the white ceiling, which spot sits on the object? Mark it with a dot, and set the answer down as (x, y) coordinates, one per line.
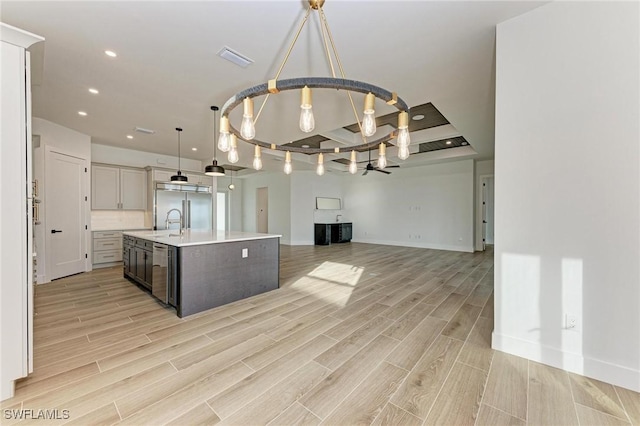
(167, 74)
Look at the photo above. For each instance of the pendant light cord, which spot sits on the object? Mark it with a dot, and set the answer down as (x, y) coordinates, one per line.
(179, 149)
(215, 133)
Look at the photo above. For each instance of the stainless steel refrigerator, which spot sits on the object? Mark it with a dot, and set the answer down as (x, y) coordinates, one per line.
(193, 201)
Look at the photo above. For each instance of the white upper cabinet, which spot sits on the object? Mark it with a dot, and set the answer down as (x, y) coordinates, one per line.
(118, 188)
(133, 189)
(161, 175)
(199, 179)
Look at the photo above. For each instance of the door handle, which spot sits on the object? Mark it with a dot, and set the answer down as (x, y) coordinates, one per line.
(53, 231)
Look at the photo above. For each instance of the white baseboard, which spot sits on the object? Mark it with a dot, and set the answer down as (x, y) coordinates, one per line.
(302, 243)
(576, 363)
(467, 249)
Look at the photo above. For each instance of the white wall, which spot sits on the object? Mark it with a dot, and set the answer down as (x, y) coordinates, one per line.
(280, 202)
(67, 142)
(234, 200)
(305, 187)
(567, 189)
(429, 206)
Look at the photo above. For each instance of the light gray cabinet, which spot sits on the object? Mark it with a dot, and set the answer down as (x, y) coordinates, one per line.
(107, 248)
(199, 179)
(162, 175)
(118, 188)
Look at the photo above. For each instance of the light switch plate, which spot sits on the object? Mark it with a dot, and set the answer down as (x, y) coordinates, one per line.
(245, 252)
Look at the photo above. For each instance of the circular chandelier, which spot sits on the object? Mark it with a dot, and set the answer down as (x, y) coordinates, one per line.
(229, 134)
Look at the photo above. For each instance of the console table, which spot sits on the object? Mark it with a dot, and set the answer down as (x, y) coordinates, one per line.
(337, 232)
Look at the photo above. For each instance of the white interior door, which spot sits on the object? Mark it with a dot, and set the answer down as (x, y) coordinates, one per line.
(65, 215)
(262, 210)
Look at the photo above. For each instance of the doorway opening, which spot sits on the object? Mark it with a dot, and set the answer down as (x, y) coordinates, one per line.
(262, 210)
(222, 220)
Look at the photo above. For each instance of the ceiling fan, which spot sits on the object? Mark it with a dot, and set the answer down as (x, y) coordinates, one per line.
(370, 167)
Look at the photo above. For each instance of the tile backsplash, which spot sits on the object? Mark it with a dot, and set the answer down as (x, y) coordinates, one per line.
(116, 219)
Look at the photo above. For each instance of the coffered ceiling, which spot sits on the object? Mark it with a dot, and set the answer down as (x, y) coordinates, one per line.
(438, 56)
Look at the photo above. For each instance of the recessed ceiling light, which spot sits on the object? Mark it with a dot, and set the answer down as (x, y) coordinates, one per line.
(194, 149)
(82, 113)
(448, 142)
(110, 53)
(129, 137)
(463, 143)
(305, 146)
(94, 91)
(417, 117)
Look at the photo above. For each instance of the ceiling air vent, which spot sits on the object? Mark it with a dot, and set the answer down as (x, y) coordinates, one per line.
(235, 57)
(145, 131)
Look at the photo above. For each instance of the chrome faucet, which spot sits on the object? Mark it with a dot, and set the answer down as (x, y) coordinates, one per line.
(338, 217)
(168, 221)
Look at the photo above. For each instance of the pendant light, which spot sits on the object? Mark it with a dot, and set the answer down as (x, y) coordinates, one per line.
(369, 118)
(179, 177)
(353, 166)
(213, 169)
(382, 156)
(231, 185)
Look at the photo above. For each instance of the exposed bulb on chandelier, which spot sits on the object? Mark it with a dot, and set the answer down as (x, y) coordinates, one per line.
(403, 152)
(307, 121)
(233, 157)
(403, 137)
(287, 163)
(369, 119)
(382, 156)
(224, 139)
(257, 158)
(247, 128)
(403, 130)
(320, 168)
(353, 166)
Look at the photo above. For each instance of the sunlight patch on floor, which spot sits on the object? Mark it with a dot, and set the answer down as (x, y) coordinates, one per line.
(331, 281)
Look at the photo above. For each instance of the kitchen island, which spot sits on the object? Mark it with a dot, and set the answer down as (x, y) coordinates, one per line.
(201, 269)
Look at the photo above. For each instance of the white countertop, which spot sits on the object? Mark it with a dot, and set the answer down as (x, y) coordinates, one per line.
(194, 237)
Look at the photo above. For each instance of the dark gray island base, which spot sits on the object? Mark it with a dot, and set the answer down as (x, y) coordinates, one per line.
(216, 274)
(201, 270)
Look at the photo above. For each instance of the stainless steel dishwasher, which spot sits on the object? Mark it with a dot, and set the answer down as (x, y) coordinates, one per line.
(165, 274)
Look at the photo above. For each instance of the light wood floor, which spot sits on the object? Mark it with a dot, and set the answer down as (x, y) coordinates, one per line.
(358, 334)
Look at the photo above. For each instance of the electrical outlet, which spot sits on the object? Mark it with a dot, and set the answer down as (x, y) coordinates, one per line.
(571, 321)
(245, 253)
